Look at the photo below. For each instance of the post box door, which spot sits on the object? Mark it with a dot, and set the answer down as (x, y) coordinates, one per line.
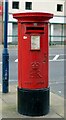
(34, 60)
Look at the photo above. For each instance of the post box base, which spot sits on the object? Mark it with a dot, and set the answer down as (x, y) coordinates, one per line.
(33, 102)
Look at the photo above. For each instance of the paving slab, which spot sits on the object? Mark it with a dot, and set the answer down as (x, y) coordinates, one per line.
(57, 103)
(10, 111)
(9, 105)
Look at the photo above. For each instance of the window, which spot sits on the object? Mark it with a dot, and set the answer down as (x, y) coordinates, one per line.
(15, 5)
(59, 7)
(28, 5)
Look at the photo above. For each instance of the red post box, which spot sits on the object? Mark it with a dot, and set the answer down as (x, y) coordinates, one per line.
(33, 88)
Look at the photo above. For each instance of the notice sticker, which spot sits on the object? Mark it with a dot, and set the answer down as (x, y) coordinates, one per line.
(35, 42)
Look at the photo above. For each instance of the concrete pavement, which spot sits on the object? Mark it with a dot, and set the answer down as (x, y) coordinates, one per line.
(8, 105)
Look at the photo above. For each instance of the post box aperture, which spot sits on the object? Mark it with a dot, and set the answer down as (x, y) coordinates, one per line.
(33, 79)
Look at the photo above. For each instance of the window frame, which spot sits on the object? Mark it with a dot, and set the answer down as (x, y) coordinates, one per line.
(59, 7)
(28, 7)
(13, 2)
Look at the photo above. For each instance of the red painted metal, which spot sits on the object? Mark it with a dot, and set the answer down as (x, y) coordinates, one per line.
(1, 10)
(32, 64)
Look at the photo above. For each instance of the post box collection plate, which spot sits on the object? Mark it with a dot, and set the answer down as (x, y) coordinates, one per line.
(35, 42)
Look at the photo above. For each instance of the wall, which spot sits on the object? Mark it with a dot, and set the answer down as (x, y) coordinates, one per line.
(37, 6)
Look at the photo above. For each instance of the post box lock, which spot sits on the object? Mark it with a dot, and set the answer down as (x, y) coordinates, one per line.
(45, 58)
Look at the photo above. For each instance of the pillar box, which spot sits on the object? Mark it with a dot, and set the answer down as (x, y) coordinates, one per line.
(33, 87)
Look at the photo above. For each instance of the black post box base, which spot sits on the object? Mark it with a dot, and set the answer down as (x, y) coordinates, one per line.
(33, 102)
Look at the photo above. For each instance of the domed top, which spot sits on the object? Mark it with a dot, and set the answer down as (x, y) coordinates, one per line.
(33, 16)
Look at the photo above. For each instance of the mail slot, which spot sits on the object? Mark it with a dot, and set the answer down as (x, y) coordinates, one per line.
(34, 29)
(33, 79)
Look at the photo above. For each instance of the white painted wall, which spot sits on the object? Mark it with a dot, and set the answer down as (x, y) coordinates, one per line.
(49, 6)
(38, 5)
(9, 32)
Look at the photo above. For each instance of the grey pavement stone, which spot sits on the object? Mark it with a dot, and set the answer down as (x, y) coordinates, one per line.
(57, 104)
(0, 108)
(10, 111)
(9, 105)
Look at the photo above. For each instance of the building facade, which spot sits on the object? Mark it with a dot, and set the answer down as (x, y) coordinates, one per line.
(56, 7)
